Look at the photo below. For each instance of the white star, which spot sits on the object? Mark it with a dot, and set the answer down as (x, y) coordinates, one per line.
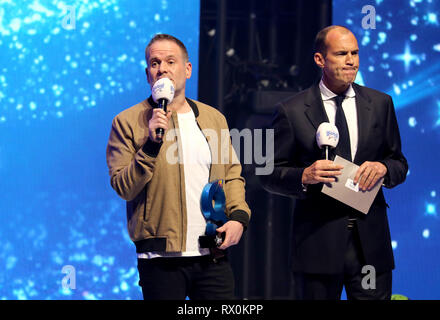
(407, 57)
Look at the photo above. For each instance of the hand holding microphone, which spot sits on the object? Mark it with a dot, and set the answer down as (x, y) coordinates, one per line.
(327, 136)
(163, 94)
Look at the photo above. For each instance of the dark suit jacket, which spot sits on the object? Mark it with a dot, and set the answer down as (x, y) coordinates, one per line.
(320, 222)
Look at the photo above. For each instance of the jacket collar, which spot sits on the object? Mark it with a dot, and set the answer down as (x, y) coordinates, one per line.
(315, 111)
(191, 103)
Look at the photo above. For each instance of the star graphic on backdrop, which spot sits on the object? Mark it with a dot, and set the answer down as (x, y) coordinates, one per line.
(407, 57)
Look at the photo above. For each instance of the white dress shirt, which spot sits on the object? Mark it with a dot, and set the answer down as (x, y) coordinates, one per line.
(349, 107)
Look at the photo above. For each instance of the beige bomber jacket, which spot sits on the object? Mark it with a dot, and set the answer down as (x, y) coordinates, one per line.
(150, 176)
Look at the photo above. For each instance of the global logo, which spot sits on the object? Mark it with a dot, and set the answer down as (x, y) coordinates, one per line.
(332, 135)
(159, 87)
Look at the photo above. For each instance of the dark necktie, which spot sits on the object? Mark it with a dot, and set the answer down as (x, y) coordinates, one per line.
(343, 148)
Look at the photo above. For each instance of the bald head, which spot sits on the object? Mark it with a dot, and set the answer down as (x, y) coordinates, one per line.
(338, 57)
(321, 41)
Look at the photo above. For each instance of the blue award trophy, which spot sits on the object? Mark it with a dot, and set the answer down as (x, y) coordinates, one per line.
(213, 208)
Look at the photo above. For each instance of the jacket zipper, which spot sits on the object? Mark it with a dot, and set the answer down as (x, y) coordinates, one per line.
(180, 191)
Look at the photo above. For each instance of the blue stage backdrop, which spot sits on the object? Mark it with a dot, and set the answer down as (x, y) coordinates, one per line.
(66, 69)
(401, 57)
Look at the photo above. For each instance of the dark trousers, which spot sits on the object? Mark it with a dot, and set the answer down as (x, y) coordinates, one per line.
(199, 278)
(359, 284)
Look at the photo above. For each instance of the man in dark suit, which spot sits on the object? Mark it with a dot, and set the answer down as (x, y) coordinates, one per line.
(334, 245)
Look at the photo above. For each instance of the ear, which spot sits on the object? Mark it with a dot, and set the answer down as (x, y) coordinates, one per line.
(319, 59)
(188, 70)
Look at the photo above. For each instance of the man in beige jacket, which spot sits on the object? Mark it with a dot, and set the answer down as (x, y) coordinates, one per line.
(162, 182)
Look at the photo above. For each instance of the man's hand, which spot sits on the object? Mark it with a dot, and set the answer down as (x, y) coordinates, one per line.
(158, 120)
(233, 230)
(321, 171)
(368, 174)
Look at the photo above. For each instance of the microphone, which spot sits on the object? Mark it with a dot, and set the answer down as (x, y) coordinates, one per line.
(327, 136)
(163, 94)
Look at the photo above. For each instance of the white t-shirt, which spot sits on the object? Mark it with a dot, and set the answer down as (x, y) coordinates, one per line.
(196, 162)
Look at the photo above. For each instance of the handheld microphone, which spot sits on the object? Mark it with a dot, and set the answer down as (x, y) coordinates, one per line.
(327, 136)
(163, 94)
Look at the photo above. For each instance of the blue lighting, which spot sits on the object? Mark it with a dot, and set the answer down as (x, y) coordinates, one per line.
(432, 18)
(426, 233)
(59, 91)
(412, 122)
(431, 209)
(437, 123)
(407, 57)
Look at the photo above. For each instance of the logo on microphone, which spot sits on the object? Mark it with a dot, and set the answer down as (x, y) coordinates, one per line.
(332, 135)
(163, 89)
(160, 86)
(327, 135)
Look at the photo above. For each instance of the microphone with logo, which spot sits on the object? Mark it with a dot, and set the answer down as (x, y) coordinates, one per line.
(163, 94)
(327, 136)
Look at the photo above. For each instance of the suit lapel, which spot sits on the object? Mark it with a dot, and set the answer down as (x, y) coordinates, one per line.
(316, 114)
(315, 111)
(364, 118)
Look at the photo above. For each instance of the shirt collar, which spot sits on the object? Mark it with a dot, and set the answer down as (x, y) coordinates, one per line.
(327, 94)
